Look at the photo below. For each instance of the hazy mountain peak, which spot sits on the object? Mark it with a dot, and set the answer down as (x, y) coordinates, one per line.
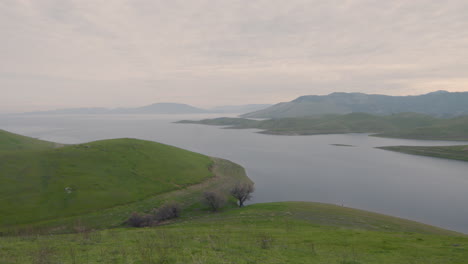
(438, 103)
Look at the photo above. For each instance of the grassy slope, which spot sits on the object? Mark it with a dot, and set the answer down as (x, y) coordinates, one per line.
(12, 142)
(446, 152)
(293, 232)
(226, 175)
(100, 175)
(440, 129)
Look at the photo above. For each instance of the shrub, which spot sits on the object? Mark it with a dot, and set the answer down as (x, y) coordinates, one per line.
(214, 200)
(167, 211)
(139, 220)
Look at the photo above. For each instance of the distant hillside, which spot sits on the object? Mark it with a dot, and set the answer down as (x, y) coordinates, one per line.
(158, 108)
(440, 104)
(402, 125)
(440, 129)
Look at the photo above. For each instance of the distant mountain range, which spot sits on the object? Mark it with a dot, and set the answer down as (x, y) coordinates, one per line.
(158, 108)
(439, 104)
(161, 108)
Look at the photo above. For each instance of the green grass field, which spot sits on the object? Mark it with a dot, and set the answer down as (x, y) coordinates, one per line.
(403, 125)
(290, 232)
(446, 152)
(78, 179)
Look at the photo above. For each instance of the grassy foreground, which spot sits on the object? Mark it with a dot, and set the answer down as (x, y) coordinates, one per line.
(403, 125)
(291, 232)
(446, 152)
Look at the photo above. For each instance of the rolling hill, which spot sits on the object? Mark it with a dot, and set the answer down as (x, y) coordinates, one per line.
(440, 104)
(103, 180)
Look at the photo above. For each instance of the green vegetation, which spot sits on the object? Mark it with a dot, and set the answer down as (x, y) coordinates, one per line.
(403, 125)
(439, 129)
(74, 180)
(101, 183)
(293, 232)
(446, 152)
(10, 142)
(87, 187)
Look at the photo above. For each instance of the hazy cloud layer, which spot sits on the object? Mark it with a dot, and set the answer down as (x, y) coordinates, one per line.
(69, 53)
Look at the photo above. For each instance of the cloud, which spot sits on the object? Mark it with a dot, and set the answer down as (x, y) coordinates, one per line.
(258, 51)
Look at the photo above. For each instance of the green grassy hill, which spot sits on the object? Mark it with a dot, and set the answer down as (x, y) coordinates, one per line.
(289, 232)
(10, 141)
(402, 125)
(100, 182)
(78, 179)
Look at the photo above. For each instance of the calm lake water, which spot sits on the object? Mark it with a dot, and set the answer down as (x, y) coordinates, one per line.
(294, 168)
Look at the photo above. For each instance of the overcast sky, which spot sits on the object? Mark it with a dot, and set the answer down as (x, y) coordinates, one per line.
(113, 53)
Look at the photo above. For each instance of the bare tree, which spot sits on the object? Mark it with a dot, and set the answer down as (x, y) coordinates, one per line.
(242, 192)
(214, 200)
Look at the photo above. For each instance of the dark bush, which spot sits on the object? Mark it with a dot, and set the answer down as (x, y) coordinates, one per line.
(167, 211)
(214, 200)
(140, 220)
